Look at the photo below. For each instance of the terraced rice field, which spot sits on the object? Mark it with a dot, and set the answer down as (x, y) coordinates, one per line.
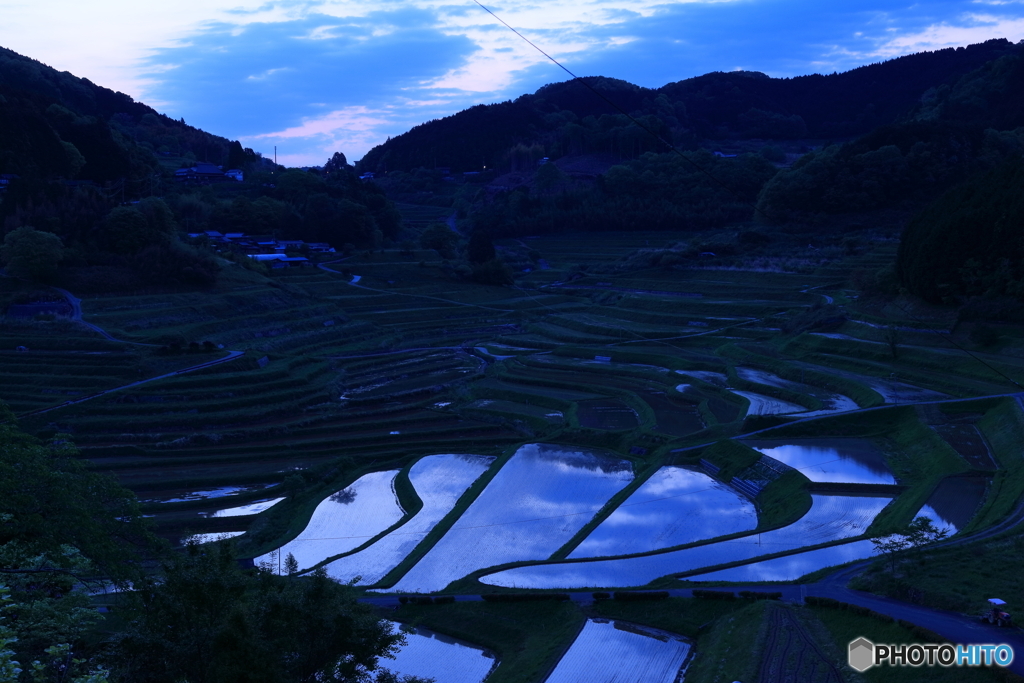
(612, 651)
(536, 502)
(675, 506)
(344, 521)
(831, 518)
(439, 480)
(431, 655)
(847, 461)
(348, 377)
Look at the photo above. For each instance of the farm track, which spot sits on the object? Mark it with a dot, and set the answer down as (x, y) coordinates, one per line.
(208, 364)
(787, 639)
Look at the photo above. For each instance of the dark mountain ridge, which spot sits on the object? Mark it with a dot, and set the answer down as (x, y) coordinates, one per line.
(714, 107)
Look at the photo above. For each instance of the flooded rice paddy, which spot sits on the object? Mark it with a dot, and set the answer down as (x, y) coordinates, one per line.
(431, 655)
(831, 402)
(439, 480)
(831, 518)
(954, 502)
(210, 538)
(841, 460)
(718, 379)
(673, 507)
(345, 520)
(185, 495)
(768, 405)
(253, 508)
(537, 501)
(792, 567)
(616, 652)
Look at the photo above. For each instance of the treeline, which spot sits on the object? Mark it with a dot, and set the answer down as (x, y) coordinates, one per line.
(105, 245)
(970, 242)
(567, 118)
(695, 191)
(56, 124)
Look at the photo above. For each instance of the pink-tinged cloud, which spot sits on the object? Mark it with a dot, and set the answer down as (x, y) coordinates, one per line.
(971, 28)
(352, 130)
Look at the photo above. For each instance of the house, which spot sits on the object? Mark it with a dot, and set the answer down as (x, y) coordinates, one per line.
(282, 261)
(201, 173)
(366, 176)
(234, 174)
(5, 180)
(321, 248)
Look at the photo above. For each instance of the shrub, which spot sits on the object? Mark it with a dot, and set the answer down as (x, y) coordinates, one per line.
(642, 595)
(713, 595)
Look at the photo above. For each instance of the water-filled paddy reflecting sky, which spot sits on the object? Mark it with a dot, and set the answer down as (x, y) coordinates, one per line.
(318, 76)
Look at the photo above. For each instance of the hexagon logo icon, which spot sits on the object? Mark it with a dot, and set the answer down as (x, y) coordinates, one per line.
(861, 655)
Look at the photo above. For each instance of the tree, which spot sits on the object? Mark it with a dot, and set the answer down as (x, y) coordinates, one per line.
(336, 163)
(291, 565)
(61, 526)
(918, 533)
(32, 254)
(441, 239)
(210, 620)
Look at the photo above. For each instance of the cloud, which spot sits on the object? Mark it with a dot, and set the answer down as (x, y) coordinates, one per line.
(307, 74)
(264, 76)
(965, 30)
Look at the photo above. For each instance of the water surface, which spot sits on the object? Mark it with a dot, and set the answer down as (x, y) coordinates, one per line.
(792, 567)
(831, 518)
(345, 520)
(431, 655)
(540, 498)
(841, 460)
(439, 481)
(618, 652)
(674, 506)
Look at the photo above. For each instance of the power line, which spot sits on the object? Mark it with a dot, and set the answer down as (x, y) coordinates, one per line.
(613, 104)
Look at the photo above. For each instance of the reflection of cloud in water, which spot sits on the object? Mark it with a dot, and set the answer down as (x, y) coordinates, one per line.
(849, 461)
(532, 507)
(673, 507)
(792, 567)
(831, 518)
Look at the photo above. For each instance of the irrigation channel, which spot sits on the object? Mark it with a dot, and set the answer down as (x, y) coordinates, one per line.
(616, 426)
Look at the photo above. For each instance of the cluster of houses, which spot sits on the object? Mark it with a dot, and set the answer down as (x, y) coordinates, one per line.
(204, 174)
(265, 248)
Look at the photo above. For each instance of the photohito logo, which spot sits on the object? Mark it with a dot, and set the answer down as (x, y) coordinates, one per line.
(863, 654)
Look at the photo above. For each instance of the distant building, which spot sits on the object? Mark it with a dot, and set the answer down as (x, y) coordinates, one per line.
(202, 173)
(234, 174)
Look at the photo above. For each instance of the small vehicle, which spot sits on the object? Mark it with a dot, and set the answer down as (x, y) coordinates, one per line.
(995, 614)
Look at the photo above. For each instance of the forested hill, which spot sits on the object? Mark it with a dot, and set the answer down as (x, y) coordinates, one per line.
(56, 124)
(566, 118)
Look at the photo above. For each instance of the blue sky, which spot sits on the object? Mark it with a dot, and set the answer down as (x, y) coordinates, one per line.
(318, 76)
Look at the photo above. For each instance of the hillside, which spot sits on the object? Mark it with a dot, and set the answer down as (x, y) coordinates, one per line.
(566, 118)
(56, 124)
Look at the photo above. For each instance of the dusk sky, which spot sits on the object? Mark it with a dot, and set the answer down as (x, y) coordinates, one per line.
(338, 75)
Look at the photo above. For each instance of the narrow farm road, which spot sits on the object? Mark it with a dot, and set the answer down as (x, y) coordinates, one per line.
(208, 364)
(76, 315)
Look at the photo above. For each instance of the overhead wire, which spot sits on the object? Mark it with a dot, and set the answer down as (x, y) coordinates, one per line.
(625, 113)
